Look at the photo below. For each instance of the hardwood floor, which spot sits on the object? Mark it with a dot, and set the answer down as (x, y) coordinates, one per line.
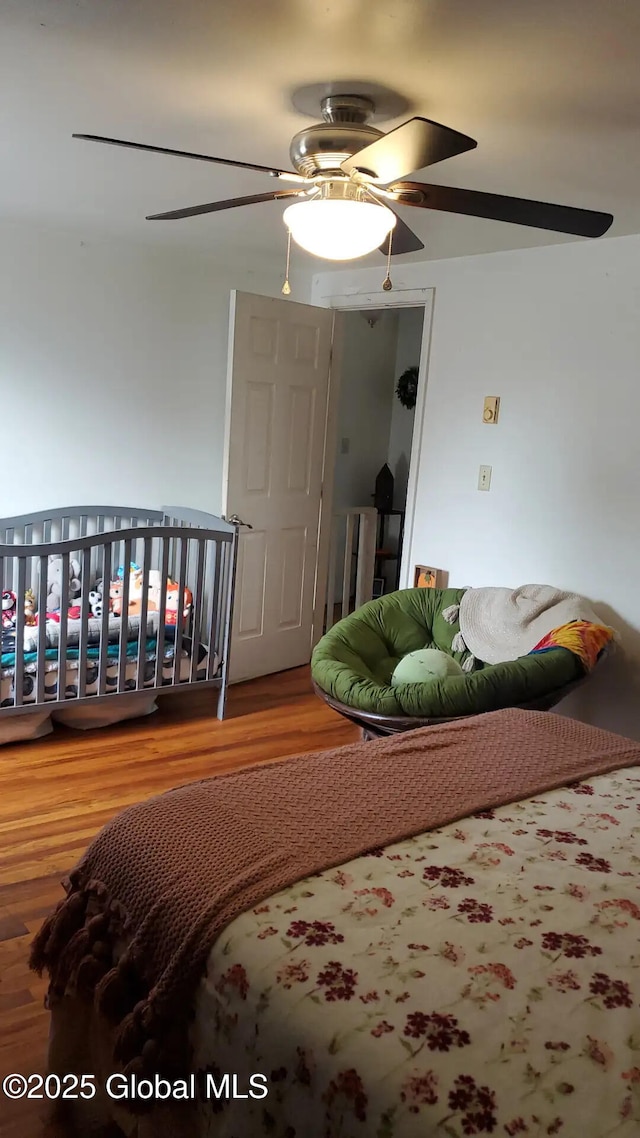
(55, 794)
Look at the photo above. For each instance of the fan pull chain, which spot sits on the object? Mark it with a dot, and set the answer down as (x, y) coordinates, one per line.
(386, 284)
(286, 288)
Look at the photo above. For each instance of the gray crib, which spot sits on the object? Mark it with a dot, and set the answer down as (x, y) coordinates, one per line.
(84, 653)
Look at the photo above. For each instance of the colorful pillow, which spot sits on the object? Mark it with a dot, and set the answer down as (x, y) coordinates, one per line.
(585, 639)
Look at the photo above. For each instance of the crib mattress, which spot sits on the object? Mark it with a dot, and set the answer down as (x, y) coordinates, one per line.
(71, 676)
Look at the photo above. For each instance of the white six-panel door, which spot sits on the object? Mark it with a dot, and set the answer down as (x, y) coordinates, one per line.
(279, 355)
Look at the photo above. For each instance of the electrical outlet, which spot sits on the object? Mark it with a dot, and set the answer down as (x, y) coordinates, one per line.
(484, 478)
(344, 446)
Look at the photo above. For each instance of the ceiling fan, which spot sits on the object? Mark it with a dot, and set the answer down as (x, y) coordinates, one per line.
(349, 176)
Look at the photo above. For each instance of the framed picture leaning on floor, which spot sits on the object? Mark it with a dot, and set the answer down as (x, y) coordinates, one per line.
(425, 577)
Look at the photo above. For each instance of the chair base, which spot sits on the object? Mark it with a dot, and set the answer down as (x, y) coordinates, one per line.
(375, 726)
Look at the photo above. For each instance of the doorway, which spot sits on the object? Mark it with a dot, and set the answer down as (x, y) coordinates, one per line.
(379, 370)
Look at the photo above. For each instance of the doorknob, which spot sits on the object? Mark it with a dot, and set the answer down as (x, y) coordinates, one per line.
(234, 520)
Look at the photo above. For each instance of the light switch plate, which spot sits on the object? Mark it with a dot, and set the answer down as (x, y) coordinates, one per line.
(491, 409)
(484, 478)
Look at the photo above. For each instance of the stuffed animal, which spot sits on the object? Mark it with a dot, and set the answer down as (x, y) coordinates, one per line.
(133, 568)
(95, 603)
(9, 601)
(116, 589)
(95, 607)
(30, 608)
(171, 616)
(171, 602)
(135, 586)
(424, 665)
(115, 598)
(54, 578)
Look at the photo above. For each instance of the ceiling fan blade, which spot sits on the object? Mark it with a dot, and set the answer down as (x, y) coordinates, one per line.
(275, 173)
(228, 203)
(403, 239)
(497, 207)
(410, 147)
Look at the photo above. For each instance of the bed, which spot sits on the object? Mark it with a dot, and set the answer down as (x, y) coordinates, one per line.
(476, 977)
(105, 606)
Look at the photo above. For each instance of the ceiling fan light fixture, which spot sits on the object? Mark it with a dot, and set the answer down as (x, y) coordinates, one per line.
(340, 224)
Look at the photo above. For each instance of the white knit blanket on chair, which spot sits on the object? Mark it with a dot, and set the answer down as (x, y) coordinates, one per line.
(503, 624)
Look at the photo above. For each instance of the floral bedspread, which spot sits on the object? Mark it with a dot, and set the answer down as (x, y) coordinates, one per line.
(479, 979)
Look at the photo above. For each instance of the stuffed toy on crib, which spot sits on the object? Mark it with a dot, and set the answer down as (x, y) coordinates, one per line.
(97, 599)
(8, 609)
(153, 601)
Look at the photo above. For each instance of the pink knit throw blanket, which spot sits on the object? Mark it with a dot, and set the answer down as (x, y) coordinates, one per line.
(165, 877)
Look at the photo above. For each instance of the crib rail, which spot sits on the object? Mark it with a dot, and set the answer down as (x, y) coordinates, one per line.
(74, 522)
(163, 639)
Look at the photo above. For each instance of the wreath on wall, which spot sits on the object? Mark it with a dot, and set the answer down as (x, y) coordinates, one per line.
(407, 388)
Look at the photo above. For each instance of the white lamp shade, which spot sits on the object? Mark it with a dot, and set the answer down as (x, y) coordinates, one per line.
(339, 230)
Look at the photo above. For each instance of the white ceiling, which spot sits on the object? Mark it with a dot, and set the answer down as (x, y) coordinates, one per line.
(549, 88)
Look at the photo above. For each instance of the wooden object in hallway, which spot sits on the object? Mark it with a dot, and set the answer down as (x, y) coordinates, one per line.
(55, 793)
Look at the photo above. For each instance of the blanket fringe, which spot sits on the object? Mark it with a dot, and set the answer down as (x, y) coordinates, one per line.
(57, 935)
(75, 946)
(131, 1037)
(117, 991)
(75, 943)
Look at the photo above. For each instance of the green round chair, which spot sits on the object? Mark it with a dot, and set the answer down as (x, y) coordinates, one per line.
(352, 664)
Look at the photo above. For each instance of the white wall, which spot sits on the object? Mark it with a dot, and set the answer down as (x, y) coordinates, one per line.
(555, 332)
(113, 370)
